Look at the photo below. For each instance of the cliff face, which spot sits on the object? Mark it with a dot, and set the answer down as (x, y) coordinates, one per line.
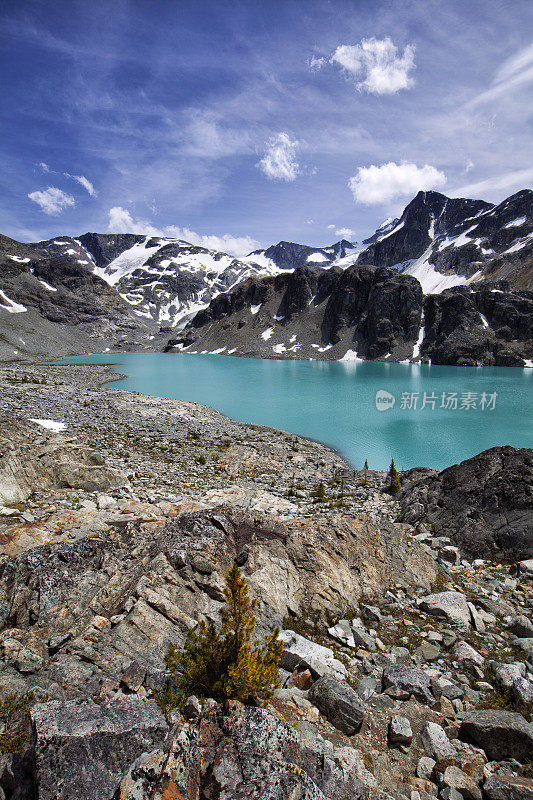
(366, 313)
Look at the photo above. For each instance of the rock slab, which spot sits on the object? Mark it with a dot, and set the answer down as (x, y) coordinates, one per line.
(82, 749)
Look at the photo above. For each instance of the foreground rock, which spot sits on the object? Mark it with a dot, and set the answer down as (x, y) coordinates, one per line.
(451, 606)
(484, 504)
(501, 734)
(241, 752)
(82, 749)
(338, 702)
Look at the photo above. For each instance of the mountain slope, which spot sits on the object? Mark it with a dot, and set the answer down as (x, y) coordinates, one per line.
(163, 279)
(51, 304)
(364, 313)
(445, 242)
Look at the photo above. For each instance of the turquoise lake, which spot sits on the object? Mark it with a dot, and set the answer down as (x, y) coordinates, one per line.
(467, 409)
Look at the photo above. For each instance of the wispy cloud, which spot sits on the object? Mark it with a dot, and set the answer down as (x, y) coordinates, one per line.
(508, 183)
(381, 184)
(121, 221)
(52, 200)
(85, 182)
(279, 162)
(376, 65)
(514, 72)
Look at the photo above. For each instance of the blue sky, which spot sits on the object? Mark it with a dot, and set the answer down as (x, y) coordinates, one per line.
(242, 123)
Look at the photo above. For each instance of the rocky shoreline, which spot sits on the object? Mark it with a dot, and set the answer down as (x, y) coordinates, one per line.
(408, 662)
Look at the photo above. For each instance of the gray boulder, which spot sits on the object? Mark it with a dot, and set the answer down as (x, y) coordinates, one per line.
(521, 626)
(451, 606)
(302, 653)
(501, 734)
(82, 749)
(506, 674)
(508, 787)
(338, 702)
(400, 731)
(402, 682)
(436, 743)
(526, 646)
(467, 655)
(522, 690)
(241, 752)
(455, 778)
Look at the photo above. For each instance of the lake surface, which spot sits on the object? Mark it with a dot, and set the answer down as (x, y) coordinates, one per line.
(465, 409)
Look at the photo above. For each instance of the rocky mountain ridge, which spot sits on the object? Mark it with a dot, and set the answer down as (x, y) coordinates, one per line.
(156, 283)
(365, 313)
(50, 304)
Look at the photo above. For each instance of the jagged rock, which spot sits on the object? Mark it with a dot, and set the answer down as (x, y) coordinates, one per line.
(455, 778)
(338, 702)
(299, 652)
(407, 681)
(522, 627)
(501, 734)
(82, 749)
(508, 787)
(436, 743)
(400, 731)
(477, 620)
(370, 613)
(506, 674)
(451, 606)
(465, 653)
(424, 768)
(484, 504)
(523, 691)
(343, 633)
(245, 752)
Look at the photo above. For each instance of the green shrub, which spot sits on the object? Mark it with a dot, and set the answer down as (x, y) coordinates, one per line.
(225, 664)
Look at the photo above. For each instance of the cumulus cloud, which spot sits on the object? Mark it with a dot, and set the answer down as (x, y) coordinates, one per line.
(121, 221)
(279, 162)
(44, 167)
(376, 65)
(344, 232)
(85, 182)
(380, 184)
(52, 200)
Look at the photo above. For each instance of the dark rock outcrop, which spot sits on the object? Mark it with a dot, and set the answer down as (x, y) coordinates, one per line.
(338, 702)
(238, 752)
(501, 734)
(484, 504)
(82, 749)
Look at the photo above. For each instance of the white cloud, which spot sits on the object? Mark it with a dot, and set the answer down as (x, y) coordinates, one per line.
(85, 182)
(44, 167)
(498, 186)
(344, 232)
(381, 184)
(377, 65)
(316, 63)
(512, 73)
(331, 227)
(52, 200)
(121, 221)
(279, 162)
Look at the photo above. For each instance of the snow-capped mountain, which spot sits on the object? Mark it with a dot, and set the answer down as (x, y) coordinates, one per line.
(164, 279)
(443, 242)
